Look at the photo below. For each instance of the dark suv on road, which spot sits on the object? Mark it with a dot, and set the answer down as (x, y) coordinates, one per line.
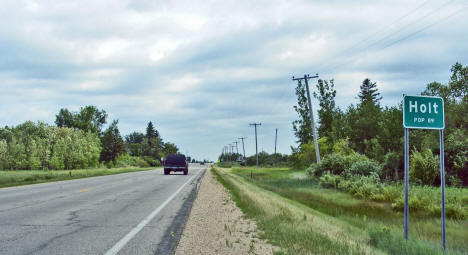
(175, 163)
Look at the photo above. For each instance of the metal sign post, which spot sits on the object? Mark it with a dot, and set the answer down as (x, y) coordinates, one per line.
(424, 112)
(406, 182)
(442, 184)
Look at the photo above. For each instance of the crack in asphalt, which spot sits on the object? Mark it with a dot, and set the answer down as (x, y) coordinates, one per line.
(50, 241)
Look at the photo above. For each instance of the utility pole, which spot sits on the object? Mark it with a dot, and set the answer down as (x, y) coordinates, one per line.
(237, 148)
(276, 138)
(256, 144)
(243, 148)
(314, 134)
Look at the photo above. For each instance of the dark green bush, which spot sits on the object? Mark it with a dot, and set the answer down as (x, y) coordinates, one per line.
(365, 168)
(424, 167)
(336, 163)
(330, 181)
(393, 166)
(152, 162)
(126, 160)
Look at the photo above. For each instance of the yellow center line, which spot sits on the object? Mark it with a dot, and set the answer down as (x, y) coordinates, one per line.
(82, 190)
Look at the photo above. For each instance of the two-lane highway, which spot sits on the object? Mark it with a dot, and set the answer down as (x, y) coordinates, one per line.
(132, 213)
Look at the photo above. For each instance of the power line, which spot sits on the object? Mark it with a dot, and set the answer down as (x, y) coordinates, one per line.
(418, 20)
(426, 27)
(379, 31)
(330, 65)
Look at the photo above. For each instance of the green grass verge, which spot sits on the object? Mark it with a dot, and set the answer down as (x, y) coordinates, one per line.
(25, 177)
(288, 225)
(363, 214)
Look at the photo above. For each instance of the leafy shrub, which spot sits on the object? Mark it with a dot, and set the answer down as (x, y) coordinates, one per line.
(424, 167)
(311, 170)
(393, 166)
(330, 181)
(152, 162)
(427, 200)
(454, 181)
(456, 152)
(307, 154)
(336, 163)
(366, 187)
(125, 160)
(391, 192)
(365, 168)
(225, 164)
(374, 150)
(342, 147)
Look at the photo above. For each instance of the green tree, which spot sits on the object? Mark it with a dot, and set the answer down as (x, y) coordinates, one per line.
(64, 118)
(456, 154)
(459, 81)
(112, 143)
(40, 146)
(152, 146)
(151, 132)
(390, 134)
(327, 112)
(302, 126)
(369, 92)
(170, 148)
(89, 118)
(363, 121)
(134, 143)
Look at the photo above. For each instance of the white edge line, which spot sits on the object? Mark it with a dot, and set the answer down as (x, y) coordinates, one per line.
(120, 244)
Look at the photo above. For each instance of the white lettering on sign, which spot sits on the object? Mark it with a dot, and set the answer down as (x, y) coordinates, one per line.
(418, 119)
(415, 106)
(422, 108)
(431, 120)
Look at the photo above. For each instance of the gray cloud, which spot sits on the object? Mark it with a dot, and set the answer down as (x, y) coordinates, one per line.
(203, 70)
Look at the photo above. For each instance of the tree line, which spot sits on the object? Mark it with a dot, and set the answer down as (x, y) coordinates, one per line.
(376, 132)
(77, 141)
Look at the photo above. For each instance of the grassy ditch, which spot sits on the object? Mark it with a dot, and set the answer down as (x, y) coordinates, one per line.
(296, 228)
(352, 224)
(24, 177)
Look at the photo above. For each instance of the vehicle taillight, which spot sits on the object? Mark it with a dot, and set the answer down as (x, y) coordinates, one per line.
(185, 163)
(164, 162)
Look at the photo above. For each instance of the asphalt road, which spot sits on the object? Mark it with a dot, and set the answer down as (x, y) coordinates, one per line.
(131, 213)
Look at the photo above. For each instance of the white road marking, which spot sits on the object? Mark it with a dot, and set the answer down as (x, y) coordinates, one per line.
(120, 244)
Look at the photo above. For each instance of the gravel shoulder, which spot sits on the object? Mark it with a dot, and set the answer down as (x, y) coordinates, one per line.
(217, 226)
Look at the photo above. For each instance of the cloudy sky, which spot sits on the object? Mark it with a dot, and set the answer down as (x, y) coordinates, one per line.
(203, 70)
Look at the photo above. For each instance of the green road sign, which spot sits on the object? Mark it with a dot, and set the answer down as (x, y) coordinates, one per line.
(423, 112)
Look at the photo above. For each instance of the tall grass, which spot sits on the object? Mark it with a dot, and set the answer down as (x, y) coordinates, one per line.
(366, 214)
(286, 226)
(23, 177)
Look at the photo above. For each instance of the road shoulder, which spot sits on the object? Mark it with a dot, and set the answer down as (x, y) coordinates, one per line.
(217, 226)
